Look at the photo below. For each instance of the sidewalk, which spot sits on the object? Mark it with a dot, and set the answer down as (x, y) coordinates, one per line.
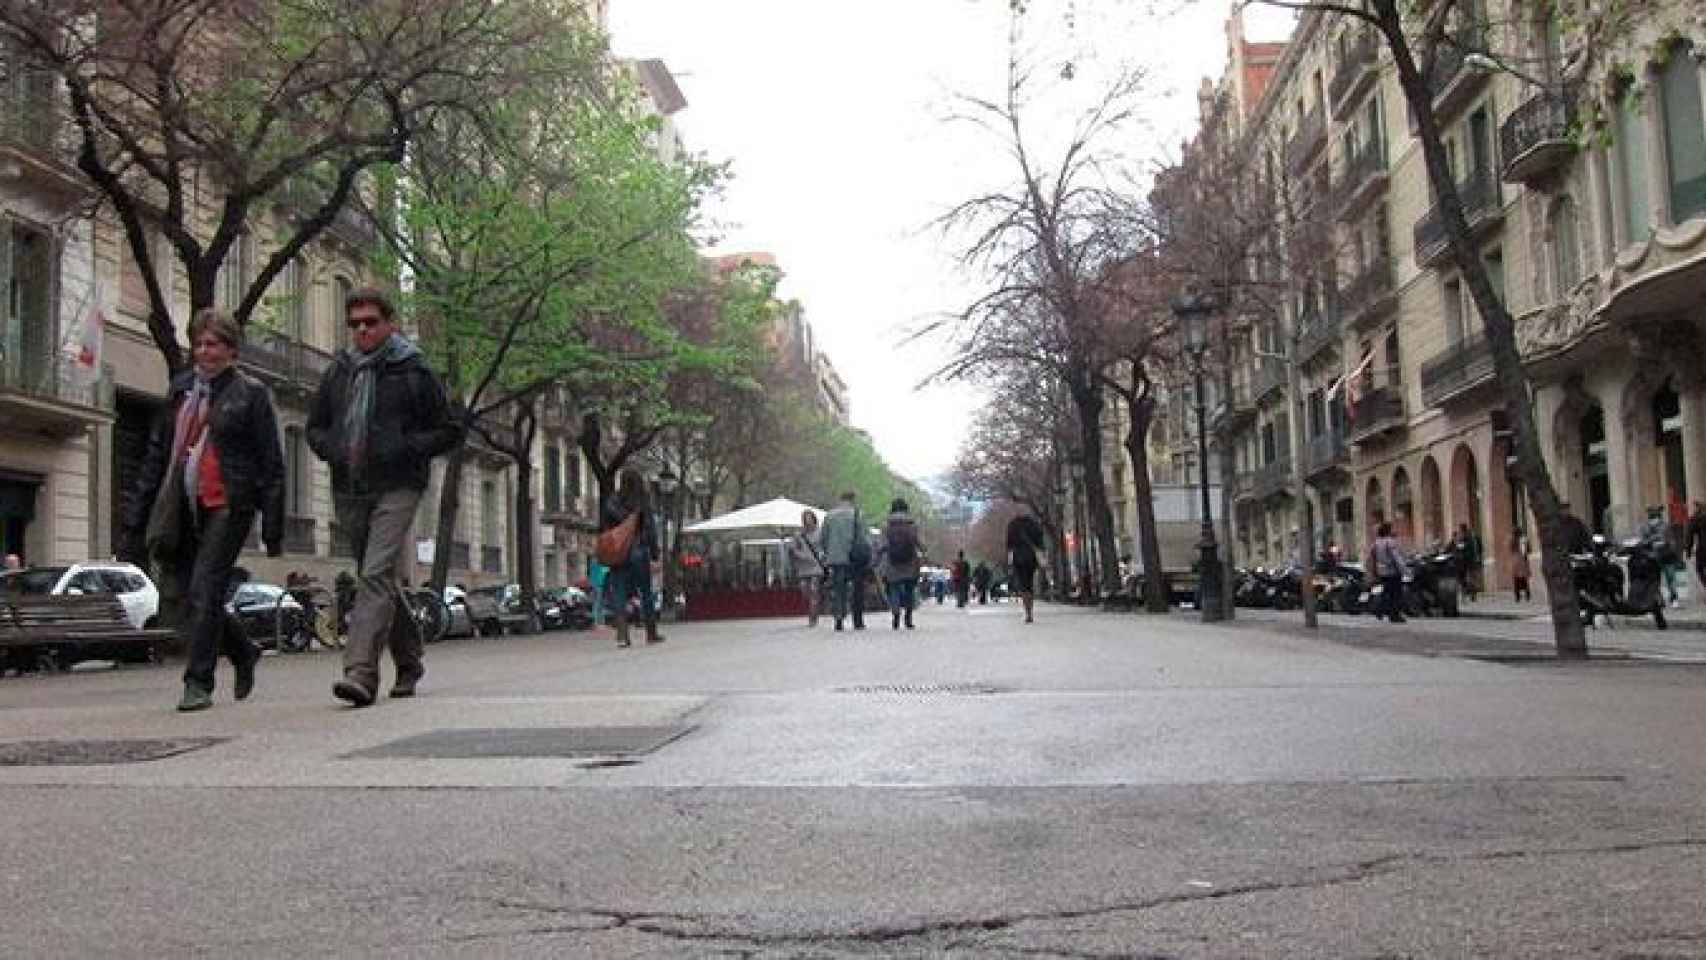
(1502, 606)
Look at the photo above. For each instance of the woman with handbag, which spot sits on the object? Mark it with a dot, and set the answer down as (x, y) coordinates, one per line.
(809, 565)
(628, 545)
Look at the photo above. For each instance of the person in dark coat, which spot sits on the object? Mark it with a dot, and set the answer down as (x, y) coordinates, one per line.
(981, 576)
(632, 578)
(1696, 541)
(1024, 543)
(213, 461)
(962, 580)
(900, 558)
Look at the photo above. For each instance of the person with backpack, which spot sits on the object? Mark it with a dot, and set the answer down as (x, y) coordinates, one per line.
(900, 561)
(847, 553)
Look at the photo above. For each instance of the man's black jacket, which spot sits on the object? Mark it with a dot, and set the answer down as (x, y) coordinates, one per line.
(244, 430)
(411, 424)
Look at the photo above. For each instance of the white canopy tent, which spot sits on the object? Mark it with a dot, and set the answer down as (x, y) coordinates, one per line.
(775, 518)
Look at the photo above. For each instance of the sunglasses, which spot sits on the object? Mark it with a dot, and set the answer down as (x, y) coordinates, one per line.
(363, 323)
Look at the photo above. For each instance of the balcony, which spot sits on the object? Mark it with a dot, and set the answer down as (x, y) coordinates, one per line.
(1483, 208)
(1379, 412)
(348, 224)
(1452, 80)
(1370, 295)
(1274, 480)
(284, 360)
(1311, 135)
(1244, 484)
(1233, 414)
(1270, 378)
(1316, 332)
(1538, 138)
(1326, 453)
(1362, 179)
(1456, 370)
(1357, 71)
(492, 559)
(36, 135)
(299, 535)
(48, 394)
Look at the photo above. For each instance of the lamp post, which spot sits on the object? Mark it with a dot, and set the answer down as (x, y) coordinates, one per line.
(667, 485)
(1193, 310)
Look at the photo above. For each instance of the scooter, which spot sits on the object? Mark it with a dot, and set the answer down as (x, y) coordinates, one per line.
(1603, 588)
(1434, 584)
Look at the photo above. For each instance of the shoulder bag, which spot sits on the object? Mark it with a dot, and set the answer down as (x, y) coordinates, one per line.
(614, 544)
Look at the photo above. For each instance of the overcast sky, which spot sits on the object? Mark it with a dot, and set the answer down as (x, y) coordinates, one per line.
(833, 116)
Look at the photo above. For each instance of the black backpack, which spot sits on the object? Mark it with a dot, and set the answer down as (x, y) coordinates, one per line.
(859, 551)
(902, 543)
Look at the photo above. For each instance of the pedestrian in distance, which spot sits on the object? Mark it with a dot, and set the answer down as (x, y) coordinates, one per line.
(900, 562)
(843, 533)
(1467, 546)
(1695, 543)
(962, 580)
(1024, 545)
(809, 567)
(380, 416)
(1656, 534)
(981, 577)
(633, 579)
(597, 575)
(1389, 567)
(14, 562)
(1519, 566)
(213, 461)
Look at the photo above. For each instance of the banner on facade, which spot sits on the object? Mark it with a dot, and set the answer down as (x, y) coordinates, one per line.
(424, 550)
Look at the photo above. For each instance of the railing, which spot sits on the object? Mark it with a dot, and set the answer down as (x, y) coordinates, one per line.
(299, 535)
(1362, 165)
(283, 356)
(492, 559)
(1379, 410)
(1374, 283)
(1274, 478)
(1311, 133)
(55, 378)
(1480, 196)
(1359, 59)
(1547, 119)
(31, 119)
(1244, 482)
(1455, 369)
(1451, 55)
(1324, 451)
(1316, 332)
(1270, 377)
(460, 552)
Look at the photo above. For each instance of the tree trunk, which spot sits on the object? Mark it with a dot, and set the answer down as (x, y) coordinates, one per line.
(1228, 551)
(1567, 628)
(526, 519)
(449, 502)
(1090, 402)
(1062, 589)
(1154, 583)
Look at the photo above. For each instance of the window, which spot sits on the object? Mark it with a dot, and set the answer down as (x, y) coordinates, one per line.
(295, 473)
(572, 476)
(1451, 300)
(1496, 274)
(553, 479)
(1270, 445)
(290, 301)
(488, 513)
(1629, 141)
(1481, 145)
(29, 317)
(235, 273)
(1684, 132)
(1394, 360)
(1566, 252)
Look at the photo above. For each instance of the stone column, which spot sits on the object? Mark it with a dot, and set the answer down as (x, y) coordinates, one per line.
(1620, 466)
(1658, 191)
(1694, 437)
(1605, 206)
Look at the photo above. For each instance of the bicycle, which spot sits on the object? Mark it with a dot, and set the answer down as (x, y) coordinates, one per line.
(322, 619)
(430, 613)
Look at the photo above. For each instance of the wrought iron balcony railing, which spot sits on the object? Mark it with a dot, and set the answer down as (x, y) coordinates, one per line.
(1539, 136)
(1357, 66)
(1482, 207)
(1455, 369)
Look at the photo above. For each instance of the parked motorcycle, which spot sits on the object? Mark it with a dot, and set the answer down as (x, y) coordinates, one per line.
(1341, 588)
(1603, 588)
(1433, 585)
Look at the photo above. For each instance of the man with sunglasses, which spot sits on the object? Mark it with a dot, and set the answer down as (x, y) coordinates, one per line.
(379, 418)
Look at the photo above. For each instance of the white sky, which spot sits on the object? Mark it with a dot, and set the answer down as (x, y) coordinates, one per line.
(832, 115)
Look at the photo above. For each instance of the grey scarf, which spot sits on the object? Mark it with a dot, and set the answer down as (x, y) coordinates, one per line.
(358, 416)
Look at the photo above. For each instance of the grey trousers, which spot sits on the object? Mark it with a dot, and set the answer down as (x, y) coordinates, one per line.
(377, 527)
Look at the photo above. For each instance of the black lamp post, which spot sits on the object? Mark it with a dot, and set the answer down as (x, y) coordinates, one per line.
(667, 485)
(1193, 310)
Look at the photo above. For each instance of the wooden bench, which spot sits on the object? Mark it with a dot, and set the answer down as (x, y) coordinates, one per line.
(68, 629)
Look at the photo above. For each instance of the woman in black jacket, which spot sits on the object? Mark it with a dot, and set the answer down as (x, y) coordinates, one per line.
(634, 576)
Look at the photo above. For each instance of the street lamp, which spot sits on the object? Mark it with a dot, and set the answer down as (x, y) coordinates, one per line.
(1078, 516)
(1193, 311)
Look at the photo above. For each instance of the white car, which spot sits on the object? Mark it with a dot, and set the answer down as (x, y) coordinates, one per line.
(124, 580)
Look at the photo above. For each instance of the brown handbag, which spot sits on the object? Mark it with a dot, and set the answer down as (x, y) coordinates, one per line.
(614, 544)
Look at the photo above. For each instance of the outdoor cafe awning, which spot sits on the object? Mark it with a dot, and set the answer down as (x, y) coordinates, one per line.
(773, 518)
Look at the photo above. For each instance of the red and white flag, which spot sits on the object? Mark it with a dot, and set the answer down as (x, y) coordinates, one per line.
(93, 342)
(1351, 384)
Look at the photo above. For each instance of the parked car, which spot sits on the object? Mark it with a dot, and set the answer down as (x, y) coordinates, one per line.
(126, 581)
(498, 610)
(271, 617)
(565, 608)
(462, 621)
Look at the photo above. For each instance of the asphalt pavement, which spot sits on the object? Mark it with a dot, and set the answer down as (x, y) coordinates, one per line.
(1093, 785)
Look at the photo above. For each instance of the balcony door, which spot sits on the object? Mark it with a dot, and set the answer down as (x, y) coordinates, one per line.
(27, 315)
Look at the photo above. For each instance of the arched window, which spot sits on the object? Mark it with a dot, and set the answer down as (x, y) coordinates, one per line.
(1684, 132)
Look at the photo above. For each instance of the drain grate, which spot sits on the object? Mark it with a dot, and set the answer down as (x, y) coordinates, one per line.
(524, 743)
(925, 689)
(91, 753)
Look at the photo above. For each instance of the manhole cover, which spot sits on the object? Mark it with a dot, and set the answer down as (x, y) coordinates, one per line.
(525, 742)
(88, 753)
(924, 689)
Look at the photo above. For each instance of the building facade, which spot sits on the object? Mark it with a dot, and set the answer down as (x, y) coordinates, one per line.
(1583, 176)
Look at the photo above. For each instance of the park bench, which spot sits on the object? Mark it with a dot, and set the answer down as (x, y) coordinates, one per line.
(66, 629)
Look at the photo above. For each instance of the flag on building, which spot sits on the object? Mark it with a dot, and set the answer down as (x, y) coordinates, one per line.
(1351, 384)
(93, 342)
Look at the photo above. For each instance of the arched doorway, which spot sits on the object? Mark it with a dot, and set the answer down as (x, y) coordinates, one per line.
(1670, 471)
(1467, 496)
(1596, 467)
(1403, 508)
(1433, 506)
(1373, 508)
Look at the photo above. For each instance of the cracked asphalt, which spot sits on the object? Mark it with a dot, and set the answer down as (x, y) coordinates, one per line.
(1094, 785)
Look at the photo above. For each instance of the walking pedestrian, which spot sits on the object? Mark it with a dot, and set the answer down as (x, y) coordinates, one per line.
(1519, 566)
(213, 460)
(633, 579)
(962, 580)
(1024, 543)
(380, 416)
(842, 533)
(1389, 567)
(597, 576)
(900, 561)
(981, 576)
(1695, 543)
(1656, 533)
(808, 563)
